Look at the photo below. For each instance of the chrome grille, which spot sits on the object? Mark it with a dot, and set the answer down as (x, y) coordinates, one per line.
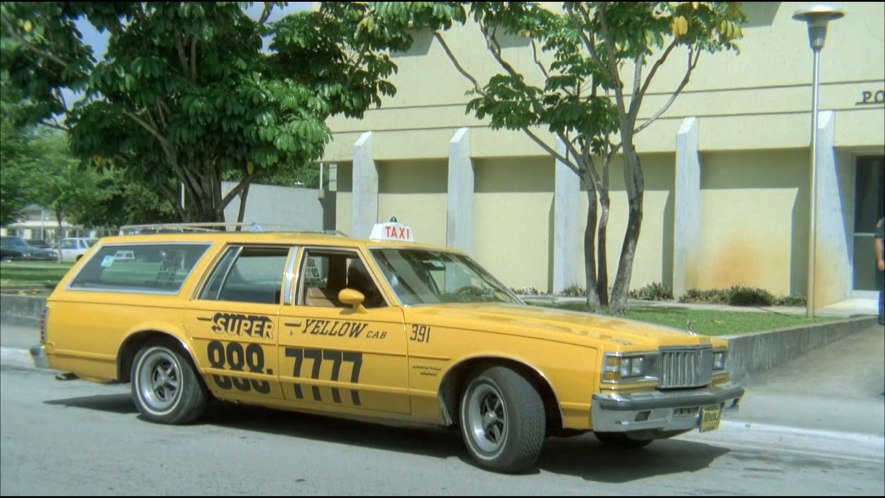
(686, 367)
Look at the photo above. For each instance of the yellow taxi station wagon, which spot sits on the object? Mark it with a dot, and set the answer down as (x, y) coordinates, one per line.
(384, 329)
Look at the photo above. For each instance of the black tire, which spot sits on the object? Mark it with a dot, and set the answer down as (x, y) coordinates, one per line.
(502, 420)
(621, 440)
(165, 387)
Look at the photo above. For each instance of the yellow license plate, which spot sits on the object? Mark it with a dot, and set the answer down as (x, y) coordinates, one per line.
(710, 417)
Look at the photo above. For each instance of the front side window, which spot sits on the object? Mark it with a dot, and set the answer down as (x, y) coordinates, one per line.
(247, 274)
(325, 273)
(139, 267)
(433, 277)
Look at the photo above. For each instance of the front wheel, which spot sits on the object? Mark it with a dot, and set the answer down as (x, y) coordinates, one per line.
(164, 385)
(502, 420)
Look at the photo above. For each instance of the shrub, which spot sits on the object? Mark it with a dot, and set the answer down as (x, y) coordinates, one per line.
(530, 290)
(739, 296)
(713, 296)
(749, 296)
(574, 291)
(791, 300)
(654, 291)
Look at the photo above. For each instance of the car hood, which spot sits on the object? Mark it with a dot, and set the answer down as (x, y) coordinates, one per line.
(552, 324)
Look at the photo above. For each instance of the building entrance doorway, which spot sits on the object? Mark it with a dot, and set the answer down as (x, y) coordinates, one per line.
(869, 206)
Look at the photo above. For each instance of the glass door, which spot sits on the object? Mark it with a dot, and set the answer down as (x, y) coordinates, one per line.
(869, 206)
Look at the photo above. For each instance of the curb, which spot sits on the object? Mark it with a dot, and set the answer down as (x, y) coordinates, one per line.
(17, 358)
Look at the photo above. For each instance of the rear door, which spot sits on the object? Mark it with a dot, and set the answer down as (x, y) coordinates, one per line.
(234, 322)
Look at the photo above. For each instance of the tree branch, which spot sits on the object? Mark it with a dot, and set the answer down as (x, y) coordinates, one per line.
(268, 7)
(589, 43)
(167, 147)
(194, 58)
(688, 70)
(458, 66)
(538, 61)
(10, 30)
(179, 47)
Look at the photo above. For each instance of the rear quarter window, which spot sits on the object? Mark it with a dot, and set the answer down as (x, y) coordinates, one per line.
(139, 267)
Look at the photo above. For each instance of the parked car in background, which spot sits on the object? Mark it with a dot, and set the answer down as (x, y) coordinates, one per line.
(38, 243)
(16, 249)
(73, 247)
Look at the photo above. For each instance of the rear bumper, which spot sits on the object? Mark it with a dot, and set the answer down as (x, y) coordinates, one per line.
(39, 357)
(659, 411)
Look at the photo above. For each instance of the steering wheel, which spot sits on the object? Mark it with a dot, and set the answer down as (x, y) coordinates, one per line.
(469, 290)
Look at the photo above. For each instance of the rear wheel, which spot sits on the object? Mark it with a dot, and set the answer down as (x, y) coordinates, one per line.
(164, 385)
(502, 420)
(621, 440)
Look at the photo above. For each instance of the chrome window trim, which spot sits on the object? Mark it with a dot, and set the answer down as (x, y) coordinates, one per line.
(291, 274)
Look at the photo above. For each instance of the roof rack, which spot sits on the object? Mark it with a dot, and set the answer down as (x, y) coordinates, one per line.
(252, 226)
(186, 227)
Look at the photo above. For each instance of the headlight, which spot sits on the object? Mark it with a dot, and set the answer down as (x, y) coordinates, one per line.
(629, 367)
(719, 360)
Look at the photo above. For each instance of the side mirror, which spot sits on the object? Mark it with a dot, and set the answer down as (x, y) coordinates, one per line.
(352, 298)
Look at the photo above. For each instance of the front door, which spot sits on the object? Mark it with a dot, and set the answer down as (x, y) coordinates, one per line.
(334, 357)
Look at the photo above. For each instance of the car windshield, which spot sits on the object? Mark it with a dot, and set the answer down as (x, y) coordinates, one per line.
(434, 277)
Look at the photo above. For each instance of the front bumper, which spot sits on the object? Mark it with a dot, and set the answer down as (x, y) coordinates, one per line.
(664, 412)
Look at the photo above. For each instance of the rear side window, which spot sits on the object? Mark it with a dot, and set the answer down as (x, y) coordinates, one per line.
(139, 267)
(248, 275)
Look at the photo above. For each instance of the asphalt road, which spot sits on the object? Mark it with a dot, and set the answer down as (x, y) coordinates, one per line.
(811, 427)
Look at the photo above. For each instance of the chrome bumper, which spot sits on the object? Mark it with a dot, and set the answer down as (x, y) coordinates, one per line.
(39, 357)
(659, 411)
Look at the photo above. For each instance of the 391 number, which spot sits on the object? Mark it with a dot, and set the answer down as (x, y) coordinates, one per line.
(420, 333)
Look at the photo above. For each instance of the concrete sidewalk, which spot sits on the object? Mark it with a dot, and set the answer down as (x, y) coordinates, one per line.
(850, 308)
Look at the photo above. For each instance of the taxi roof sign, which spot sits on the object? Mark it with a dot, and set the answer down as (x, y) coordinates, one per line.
(392, 230)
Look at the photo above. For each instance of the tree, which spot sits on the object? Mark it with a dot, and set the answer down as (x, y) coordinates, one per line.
(186, 95)
(15, 158)
(596, 62)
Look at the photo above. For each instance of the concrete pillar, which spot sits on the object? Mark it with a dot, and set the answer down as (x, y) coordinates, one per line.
(566, 245)
(833, 272)
(329, 198)
(459, 211)
(365, 187)
(687, 208)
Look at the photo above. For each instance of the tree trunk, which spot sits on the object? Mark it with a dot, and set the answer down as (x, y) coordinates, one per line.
(602, 251)
(635, 186)
(244, 194)
(60, 233)
(593, 303)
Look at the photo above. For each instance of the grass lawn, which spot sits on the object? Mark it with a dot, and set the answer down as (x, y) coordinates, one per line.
(39, 274)
(709, 322)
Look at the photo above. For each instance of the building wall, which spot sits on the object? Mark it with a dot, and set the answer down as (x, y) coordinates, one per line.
(415, 193)
(754, 124)
(277, 208)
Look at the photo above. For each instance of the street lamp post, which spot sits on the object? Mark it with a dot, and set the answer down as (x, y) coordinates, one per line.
(817, 18)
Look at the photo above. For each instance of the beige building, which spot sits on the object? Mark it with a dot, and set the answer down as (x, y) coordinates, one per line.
(727, 168)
